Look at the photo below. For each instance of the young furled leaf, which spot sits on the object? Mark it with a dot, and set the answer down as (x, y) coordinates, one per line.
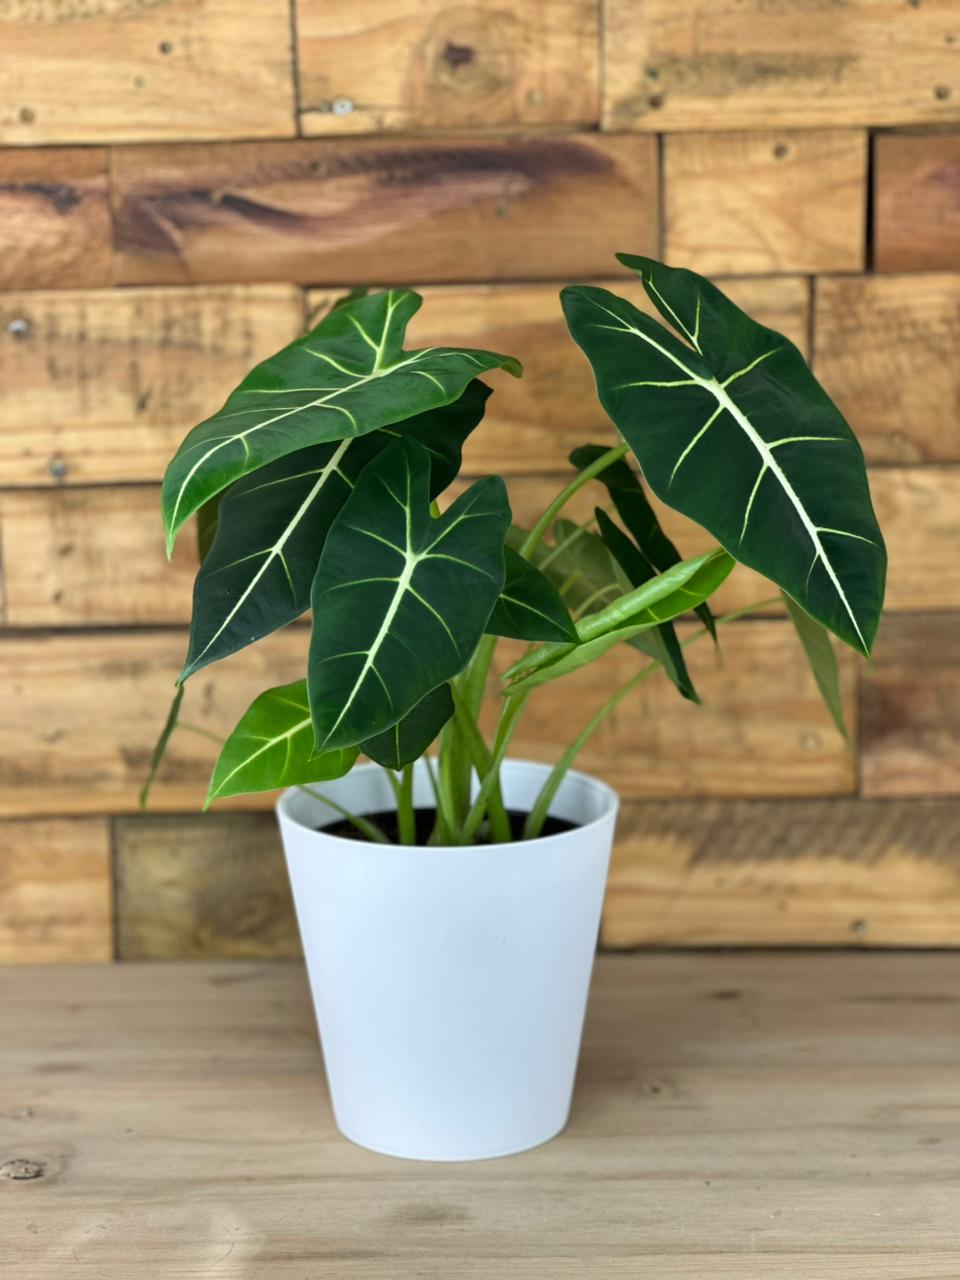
(400, 599)
(730, 426)
(347, 377)
(409, 738)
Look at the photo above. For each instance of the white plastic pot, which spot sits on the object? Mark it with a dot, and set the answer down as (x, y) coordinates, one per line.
(450, 984)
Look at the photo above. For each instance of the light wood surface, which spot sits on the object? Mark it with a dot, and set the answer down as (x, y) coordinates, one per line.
(747, 203)
(426, 64)
(383, 210)
(916, 215)
(743, 1117)
(748, 64)
(128, 70)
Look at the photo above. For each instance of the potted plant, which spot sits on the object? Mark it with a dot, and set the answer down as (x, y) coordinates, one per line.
(449, 901)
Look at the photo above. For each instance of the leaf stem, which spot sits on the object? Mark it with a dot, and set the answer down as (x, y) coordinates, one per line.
(363, 825)
(537, 533)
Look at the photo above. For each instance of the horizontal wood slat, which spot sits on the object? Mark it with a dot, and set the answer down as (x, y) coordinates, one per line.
(887, 348)
(424, 64)
(391, 211)
(785, 872)
(202, 887)
(84, 709)
(910, 700)
(765, 201)
(55, 227)
(713, 64)
(56, 897)
(101, 385)
(916, 205)
(115, 71)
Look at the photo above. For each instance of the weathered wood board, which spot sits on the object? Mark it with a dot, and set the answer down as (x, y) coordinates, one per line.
(101, 385)
(55, 227)
(56, 894)
(910, 709)
(765, 201)
(384, 210)
(735, 1116)
(802, 64)
(887, 348)
(138, 70)
(785, 872)
(424, 64)
(84, 709)
(916, 208)
(202, 887)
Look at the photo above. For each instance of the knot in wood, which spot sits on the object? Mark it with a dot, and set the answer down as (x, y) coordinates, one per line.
(20, 1170)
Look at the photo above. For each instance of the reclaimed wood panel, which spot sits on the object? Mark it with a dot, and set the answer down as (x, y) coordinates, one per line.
(55, 227)
(741, 1117)
(916, 201)
(56, 897)
(384, 210)
(102, 385)
(887, 348)
(424, 64)
(137, 71)
(802, 64)
(84, 709)
(910, 709)
(202, 888)
(750, 203)
(785, 873)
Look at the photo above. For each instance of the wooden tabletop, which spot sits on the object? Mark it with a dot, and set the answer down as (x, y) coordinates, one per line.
(742, 1116)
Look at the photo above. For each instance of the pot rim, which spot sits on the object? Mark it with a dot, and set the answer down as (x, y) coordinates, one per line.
(573, 778)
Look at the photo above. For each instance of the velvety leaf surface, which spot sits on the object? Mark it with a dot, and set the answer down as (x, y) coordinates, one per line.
(272, 526)
(400, 599)
(731, 427)
(530, 607)
(272, 746)
(410, 737)
(347, 377)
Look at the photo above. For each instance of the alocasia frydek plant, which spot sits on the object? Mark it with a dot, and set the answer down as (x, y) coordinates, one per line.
(316, 488)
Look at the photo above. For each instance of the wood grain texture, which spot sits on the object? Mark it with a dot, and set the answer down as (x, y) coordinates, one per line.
(765, 201)
(910, 708)
(136, 70)
(84, 710)
(916, 201)
(785, 873)
(56, 896)
(55, 225)
(389, 211)
(101, 385)
(724, 64)
(424, 64)
(887, 348)
(737, 1116)
(202, 888)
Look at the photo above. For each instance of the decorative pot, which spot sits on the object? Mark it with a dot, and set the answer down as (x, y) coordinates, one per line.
(450, 983)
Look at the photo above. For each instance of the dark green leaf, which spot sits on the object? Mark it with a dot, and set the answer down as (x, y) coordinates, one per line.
(661, 644)
(624, 487)
(159, 751)
(400, 599)
(822, 659)
(258, 574)
(272, 746)
(409, 738)
(347, 377)
(732, 428)
(208, 521)
(530, 607)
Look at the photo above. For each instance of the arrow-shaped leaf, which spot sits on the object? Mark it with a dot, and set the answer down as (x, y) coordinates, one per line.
(732, 428)
(347, 377)
(272, 746)
(272, 525)
(400, 599)
(409, 738)
(530, 607)
(823, 661)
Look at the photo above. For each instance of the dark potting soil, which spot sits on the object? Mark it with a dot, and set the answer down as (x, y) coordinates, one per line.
(425, 819)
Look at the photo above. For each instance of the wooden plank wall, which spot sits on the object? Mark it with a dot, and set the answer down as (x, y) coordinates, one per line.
(217, 171)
